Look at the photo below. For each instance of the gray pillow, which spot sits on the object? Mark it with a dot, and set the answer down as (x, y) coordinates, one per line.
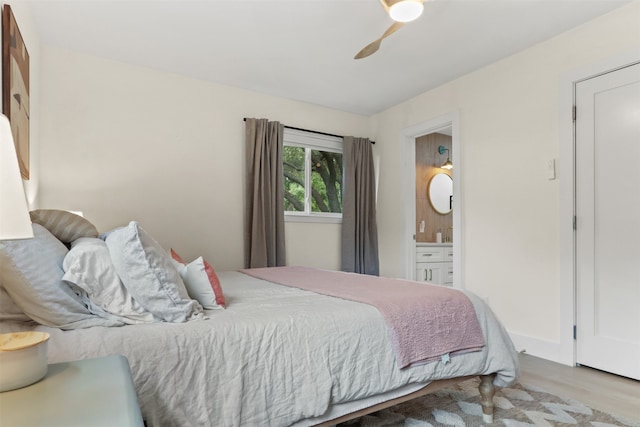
(147, 271)
(66, 226)
(8, 308)
(31, 273)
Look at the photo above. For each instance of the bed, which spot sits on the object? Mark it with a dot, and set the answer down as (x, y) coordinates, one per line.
(277, 355)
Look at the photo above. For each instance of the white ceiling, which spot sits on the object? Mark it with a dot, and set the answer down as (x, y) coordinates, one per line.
(303, 49)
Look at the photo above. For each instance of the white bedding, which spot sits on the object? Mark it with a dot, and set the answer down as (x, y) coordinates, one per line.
(275, 356)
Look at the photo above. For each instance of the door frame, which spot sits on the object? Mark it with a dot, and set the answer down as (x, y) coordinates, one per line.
(567, 351)
(409, 136)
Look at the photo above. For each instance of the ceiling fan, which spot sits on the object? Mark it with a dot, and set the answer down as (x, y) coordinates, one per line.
(401, 11)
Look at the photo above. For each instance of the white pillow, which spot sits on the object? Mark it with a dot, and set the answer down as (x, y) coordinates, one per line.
(89, 267)
(201, 281)
(147, 272)
(31, 273)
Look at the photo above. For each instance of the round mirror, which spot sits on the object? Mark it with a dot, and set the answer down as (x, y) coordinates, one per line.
(440, 191)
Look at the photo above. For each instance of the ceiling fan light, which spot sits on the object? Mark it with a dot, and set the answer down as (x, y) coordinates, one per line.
(406, 10)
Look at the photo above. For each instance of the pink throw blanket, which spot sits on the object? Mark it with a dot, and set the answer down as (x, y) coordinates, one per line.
(425, 321)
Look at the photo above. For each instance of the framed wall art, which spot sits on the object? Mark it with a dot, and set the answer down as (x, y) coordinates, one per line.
(15, 86)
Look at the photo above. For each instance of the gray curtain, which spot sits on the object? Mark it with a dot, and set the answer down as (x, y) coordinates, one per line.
(359, 229)
(264, 213)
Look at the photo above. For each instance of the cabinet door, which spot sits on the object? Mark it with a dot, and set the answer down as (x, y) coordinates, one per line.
(422, 272)
(431, 272)
(448, 274)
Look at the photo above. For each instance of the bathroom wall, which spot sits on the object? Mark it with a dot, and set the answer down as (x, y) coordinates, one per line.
(428, 162)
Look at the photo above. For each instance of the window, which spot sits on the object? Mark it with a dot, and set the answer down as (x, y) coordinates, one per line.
(312, 166)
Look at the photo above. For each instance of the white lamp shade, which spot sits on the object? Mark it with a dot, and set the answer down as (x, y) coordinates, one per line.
(15, 222)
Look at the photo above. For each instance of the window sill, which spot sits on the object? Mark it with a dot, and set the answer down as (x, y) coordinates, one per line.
(314, 219)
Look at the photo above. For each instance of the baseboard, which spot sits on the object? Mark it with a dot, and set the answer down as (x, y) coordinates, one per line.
(548, 350)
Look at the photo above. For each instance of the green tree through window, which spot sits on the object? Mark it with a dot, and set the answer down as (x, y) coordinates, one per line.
(294, 177)
(326, 181)
(312, 179)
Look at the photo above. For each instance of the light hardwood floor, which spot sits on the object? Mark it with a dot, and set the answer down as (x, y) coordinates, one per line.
(600, 390)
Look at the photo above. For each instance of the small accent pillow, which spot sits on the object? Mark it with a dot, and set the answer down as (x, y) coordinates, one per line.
(201, 281)
(31, 273)
(88, 266)
(147, 272)
(66, 226)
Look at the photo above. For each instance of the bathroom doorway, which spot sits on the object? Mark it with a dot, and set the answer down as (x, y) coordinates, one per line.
(434, 208)
(423, 247)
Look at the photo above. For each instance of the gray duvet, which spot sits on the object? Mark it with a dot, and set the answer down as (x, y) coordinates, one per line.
(275, 356)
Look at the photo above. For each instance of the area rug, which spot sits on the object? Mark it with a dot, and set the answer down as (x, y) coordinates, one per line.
(516, 406)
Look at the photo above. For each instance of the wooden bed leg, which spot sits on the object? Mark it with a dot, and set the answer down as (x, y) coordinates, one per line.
(486, 392)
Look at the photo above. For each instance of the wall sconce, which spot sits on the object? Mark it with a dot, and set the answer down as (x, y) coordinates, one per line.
(446, 165)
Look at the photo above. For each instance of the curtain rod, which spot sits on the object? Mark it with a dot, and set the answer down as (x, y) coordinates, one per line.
(312, 131)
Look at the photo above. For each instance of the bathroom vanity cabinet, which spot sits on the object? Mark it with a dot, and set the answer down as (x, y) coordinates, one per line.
(434, 263)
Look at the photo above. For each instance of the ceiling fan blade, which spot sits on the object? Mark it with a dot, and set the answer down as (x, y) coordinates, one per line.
(385, 5)
(373, 47)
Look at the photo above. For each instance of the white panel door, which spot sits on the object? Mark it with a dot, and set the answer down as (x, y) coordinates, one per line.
(608, 222)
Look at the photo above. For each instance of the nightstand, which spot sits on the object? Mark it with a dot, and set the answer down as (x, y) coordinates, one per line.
(85, 393)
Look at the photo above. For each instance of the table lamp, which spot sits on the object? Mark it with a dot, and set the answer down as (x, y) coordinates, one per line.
(23, 355)
(14, 211)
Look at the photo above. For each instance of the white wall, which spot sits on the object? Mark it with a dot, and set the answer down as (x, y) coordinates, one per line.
(509, 117)
(122, 142)
(31, 40)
